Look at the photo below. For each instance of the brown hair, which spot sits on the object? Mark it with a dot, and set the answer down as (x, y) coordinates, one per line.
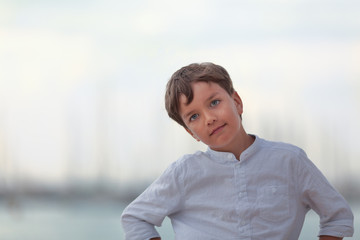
(180, 83)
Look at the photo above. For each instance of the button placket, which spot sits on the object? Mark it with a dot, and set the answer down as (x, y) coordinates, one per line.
(242, 203)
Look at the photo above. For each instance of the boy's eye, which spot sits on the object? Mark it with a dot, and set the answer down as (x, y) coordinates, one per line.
(193, 117)
(214, 103)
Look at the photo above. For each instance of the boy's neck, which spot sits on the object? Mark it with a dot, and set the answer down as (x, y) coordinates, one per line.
(242, 142)
(246, 141)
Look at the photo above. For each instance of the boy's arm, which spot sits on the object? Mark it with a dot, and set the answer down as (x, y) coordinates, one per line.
(148, 210)
(336, 217)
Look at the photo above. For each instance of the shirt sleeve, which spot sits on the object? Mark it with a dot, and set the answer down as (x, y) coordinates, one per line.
(160, 199)
(336, 217)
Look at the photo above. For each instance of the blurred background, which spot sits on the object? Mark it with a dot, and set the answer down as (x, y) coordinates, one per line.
(83, 127)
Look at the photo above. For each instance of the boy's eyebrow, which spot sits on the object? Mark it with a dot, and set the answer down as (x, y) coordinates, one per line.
(185, 116)
(212, 96)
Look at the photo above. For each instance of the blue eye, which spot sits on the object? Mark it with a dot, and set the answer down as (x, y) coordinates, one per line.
(194, 117)
(214, 103)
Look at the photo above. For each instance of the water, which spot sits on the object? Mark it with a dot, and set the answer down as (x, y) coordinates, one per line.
(93, 221)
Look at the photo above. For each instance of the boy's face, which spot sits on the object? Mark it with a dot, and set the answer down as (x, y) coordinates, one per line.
(213, 116)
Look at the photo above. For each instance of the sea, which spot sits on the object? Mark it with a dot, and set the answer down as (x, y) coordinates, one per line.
(94, 220)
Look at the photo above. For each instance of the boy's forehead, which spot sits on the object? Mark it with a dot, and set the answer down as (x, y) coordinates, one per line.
(183, 105)
(183, 100)
(200, 90)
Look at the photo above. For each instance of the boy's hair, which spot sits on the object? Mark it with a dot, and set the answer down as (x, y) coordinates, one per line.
(180, 83)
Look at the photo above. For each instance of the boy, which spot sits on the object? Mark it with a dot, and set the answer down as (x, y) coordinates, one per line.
(242, 187)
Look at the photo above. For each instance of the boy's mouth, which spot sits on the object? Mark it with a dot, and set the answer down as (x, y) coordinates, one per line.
(217, 129)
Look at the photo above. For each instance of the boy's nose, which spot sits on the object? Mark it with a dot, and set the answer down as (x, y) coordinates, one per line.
(210, 118)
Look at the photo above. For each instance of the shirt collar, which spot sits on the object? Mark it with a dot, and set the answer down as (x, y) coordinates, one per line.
(227, 157)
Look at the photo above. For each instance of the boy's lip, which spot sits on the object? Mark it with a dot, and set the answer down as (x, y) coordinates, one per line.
(217, 129)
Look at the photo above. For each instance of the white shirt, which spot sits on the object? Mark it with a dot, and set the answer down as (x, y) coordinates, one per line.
(211, 195)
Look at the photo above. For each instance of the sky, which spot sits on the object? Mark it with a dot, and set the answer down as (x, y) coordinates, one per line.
(82, 82)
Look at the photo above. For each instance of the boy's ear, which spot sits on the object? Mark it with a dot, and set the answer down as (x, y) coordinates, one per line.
(193, 135)
(238, 102)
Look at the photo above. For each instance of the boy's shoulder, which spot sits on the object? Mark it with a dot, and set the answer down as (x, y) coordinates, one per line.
(186, 164)
(275, 153)
(190, 159)
(284, 147)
